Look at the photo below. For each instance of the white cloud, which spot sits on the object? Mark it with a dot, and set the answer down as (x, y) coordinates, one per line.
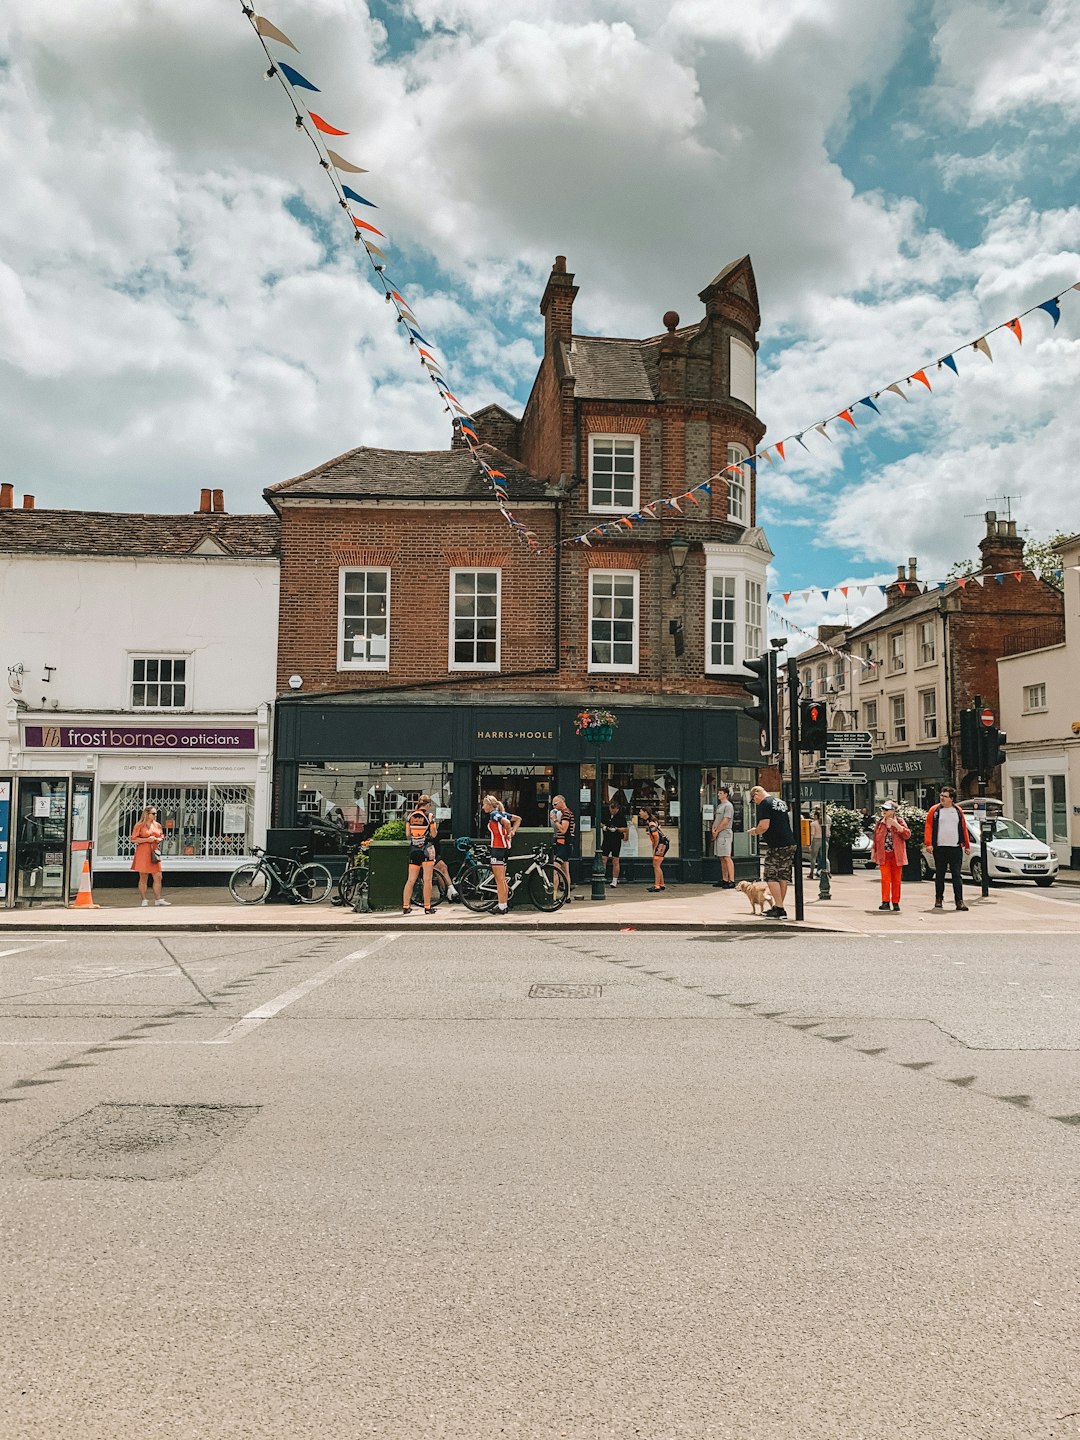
(999, 58)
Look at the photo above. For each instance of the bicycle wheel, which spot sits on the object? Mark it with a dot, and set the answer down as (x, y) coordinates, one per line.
(312, 883)
(349, 885)
(249, 884)
(438, 891)
(477, 890)
(548, 889)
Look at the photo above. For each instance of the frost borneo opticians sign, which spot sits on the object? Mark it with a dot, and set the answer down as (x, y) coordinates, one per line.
(135, 737)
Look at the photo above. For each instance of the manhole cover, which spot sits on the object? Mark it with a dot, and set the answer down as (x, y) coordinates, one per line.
(565, 992)
(135, 1142)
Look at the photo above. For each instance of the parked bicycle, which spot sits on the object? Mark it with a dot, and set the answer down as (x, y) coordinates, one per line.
(475, 881)
(352, 885)
(306, 882)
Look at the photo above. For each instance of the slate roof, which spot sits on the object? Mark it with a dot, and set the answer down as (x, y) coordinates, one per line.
(91, 532)
(407, 475)
(607, 369)
(898, 614)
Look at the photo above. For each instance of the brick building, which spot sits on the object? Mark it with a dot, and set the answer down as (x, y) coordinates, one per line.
(422, 646)
(935, 650)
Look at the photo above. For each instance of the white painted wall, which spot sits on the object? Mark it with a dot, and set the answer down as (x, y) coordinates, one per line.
(87, 615)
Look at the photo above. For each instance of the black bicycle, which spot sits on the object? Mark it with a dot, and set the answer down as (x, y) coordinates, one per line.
(306, 882)
(352, 885)
(475, 881)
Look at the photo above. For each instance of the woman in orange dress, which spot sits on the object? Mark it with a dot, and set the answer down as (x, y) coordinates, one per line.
(146, 837)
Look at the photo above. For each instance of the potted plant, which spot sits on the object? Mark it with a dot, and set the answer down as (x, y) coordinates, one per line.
(845, 827)
(915, 819)
(596, 726)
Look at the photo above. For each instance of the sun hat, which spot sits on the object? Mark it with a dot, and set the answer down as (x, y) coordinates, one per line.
(888, 804)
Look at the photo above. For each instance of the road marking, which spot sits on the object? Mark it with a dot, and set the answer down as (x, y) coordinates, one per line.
(26, 945)
(254, 1018)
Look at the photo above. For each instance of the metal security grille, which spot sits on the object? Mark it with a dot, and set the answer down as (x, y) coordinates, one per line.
(198, 820)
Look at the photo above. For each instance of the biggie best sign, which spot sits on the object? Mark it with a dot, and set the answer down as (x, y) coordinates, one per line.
(137, 737)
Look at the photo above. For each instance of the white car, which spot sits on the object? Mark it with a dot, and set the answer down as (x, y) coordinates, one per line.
(1013, 853)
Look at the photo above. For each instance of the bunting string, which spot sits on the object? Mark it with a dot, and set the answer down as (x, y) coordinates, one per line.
(918, 587)
(365, 233)
(846, 655)
(776, 452)
(319, 130)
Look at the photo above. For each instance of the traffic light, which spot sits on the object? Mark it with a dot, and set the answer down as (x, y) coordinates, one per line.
(763, 689)
(813, 725)
(992, 748)
(971, 733)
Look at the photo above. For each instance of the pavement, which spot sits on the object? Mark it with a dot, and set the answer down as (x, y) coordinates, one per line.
(1009, 909)
(714, 1186)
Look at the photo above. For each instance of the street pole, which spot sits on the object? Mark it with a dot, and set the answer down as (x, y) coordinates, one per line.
(599, 890)
(796, 779)
(824, 890)
(984, 827)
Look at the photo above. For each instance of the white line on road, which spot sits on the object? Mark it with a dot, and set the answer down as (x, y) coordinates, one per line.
(26, 945)
(254, 1018)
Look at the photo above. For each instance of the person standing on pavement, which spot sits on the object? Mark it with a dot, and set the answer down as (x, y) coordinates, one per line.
(948, 837)
(616, 830)
(889, 853)
(502, 827)
(778, 838)
(562, 826)
(660, 846)
(723, 836)
(147, 837)
(815, 843)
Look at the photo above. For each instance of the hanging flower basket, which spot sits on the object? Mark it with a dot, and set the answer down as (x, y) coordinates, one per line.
(595, 726)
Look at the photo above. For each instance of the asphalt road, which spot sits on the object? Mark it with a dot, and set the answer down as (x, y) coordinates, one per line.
(372, 1187)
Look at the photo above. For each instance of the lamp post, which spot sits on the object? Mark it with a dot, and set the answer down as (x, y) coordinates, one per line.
(679, 549)
(597, 727)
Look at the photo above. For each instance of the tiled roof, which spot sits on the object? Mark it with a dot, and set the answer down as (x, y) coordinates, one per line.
(609, 369)
(407, 475)
(905, 610)
(90, 532)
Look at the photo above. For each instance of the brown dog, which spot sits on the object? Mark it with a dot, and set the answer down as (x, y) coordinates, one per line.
(756, 892)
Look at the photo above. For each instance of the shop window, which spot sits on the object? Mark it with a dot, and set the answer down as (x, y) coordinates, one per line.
(613, 473)
(737, 506)
(363, 796)
(364, 620)
(655, 786)
(740, 779)
(475, 597)
(928, 714)
(200, 822)
(613, 610)
(1035, 697)
(159, 682)
(524, 790)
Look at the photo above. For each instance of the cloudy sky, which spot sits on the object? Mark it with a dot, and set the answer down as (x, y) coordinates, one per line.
(182, 306)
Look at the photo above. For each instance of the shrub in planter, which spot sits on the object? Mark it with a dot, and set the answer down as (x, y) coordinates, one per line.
(845, 827)
(392, 830)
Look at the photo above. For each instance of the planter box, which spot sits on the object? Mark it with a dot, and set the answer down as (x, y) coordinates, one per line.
(841, 861)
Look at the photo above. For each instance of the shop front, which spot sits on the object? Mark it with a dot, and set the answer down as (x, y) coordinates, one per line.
(76, 781)
(914, 777)
(363, 762)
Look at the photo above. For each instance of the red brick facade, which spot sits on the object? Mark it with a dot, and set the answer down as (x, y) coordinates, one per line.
(670, 391)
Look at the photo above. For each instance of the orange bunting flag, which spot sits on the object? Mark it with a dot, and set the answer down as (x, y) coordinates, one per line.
(691, 496)
(363, 225)
(324, 126)
(628, 523)
(787, 596)
(780, 449)
(844, 589)
(1014, 326)
(961, 580)
(427, 353)
(920, 375)
(1018, 575)
(846, 415)
(901, 587)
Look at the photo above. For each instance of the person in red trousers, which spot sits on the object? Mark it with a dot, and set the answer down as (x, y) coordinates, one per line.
(890, 853)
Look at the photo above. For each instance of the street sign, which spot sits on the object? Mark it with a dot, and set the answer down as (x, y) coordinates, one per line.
(852, 737)
(854, 778)
(836, 765)
(987, 717)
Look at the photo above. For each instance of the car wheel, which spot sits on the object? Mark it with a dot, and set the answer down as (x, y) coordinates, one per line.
(1045, 883)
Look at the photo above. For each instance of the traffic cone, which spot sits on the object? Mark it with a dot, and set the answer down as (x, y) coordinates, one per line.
(84, 900)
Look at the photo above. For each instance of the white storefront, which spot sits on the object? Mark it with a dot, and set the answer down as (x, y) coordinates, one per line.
(134, 679)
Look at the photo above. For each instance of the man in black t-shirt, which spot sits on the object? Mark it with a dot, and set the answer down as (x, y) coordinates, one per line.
(778, 838)
(615, 832)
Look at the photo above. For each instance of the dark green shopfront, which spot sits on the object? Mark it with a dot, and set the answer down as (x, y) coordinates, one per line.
(363, 761)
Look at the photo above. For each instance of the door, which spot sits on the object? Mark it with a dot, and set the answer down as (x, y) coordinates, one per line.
(82, 830)
(5, 835)
(41, 839)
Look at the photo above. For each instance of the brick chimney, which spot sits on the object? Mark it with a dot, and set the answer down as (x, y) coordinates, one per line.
(557, 305)
(219, 502)
(205, 501)
(1001, 549)
(906, 578)
(28, 502)
(7, 496)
